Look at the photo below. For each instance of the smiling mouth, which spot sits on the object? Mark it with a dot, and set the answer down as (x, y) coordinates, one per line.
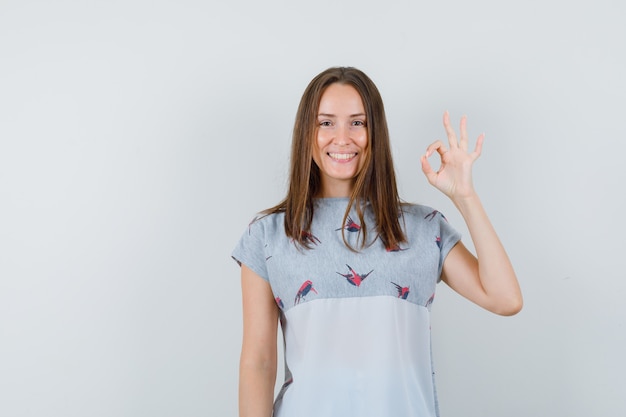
(342, 156)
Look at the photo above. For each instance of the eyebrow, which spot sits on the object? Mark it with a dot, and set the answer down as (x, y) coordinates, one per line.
(333, 115)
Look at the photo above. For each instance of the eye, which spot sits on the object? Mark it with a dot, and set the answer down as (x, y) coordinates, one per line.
(325, 123)
(358, 123)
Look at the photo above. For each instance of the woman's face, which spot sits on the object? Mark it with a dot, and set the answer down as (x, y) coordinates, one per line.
(341, 139)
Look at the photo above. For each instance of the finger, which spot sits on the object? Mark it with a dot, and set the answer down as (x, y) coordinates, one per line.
(479, 146)
(436, 146)
(449, 130)
(463, 142)
(427, 169)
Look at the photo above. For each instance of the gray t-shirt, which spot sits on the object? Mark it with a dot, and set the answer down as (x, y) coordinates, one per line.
(356, 326)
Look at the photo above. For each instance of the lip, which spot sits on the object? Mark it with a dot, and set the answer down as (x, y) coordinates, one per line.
(342, 157)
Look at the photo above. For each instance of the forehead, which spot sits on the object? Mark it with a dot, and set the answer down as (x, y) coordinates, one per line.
(340, 99)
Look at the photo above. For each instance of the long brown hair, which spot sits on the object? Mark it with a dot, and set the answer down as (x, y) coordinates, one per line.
(375, 183)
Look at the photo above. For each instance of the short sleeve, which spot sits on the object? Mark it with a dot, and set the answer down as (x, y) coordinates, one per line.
(449, 237)
(250, 250)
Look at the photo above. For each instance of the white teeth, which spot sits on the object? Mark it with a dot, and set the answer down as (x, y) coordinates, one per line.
(342, 156)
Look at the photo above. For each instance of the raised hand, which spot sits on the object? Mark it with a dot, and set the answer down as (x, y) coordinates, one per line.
(454, 177)
(487, 279)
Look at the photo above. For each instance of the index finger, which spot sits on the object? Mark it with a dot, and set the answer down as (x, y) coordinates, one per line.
(449, 130)
(463, 142)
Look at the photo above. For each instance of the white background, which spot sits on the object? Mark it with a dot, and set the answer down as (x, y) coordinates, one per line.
(138, 138)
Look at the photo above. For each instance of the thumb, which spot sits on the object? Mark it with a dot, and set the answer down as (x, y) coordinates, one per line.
(431, 175)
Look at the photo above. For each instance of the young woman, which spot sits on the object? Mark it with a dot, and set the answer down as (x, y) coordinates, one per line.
(350, 271)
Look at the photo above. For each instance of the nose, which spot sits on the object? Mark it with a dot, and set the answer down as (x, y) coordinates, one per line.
(342, 136)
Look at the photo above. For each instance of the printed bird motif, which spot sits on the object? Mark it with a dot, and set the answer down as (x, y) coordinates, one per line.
(430, 216)
(310, 238)
(403, 292)
(305, 288)
(350, 226)
(430, 300)
(354, 278)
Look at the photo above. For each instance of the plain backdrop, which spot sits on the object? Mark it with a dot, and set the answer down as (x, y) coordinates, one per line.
(138, 138)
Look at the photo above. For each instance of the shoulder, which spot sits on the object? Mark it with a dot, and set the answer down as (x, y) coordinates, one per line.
(267, 222)
(261, 229)
(418, 211)
(420, 217)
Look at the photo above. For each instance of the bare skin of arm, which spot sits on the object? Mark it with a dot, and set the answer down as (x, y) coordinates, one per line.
(487, 279)
(257, 367)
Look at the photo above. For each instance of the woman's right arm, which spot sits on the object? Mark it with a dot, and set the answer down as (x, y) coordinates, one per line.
(257, 367)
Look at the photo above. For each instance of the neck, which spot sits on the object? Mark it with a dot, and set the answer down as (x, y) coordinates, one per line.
(337, 190)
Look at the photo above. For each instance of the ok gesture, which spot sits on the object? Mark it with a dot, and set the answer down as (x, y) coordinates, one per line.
(454, 177)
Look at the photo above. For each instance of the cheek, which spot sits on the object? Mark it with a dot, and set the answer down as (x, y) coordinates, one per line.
(316, 157)
(316, 151)
(322, 139)
(363, 141)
